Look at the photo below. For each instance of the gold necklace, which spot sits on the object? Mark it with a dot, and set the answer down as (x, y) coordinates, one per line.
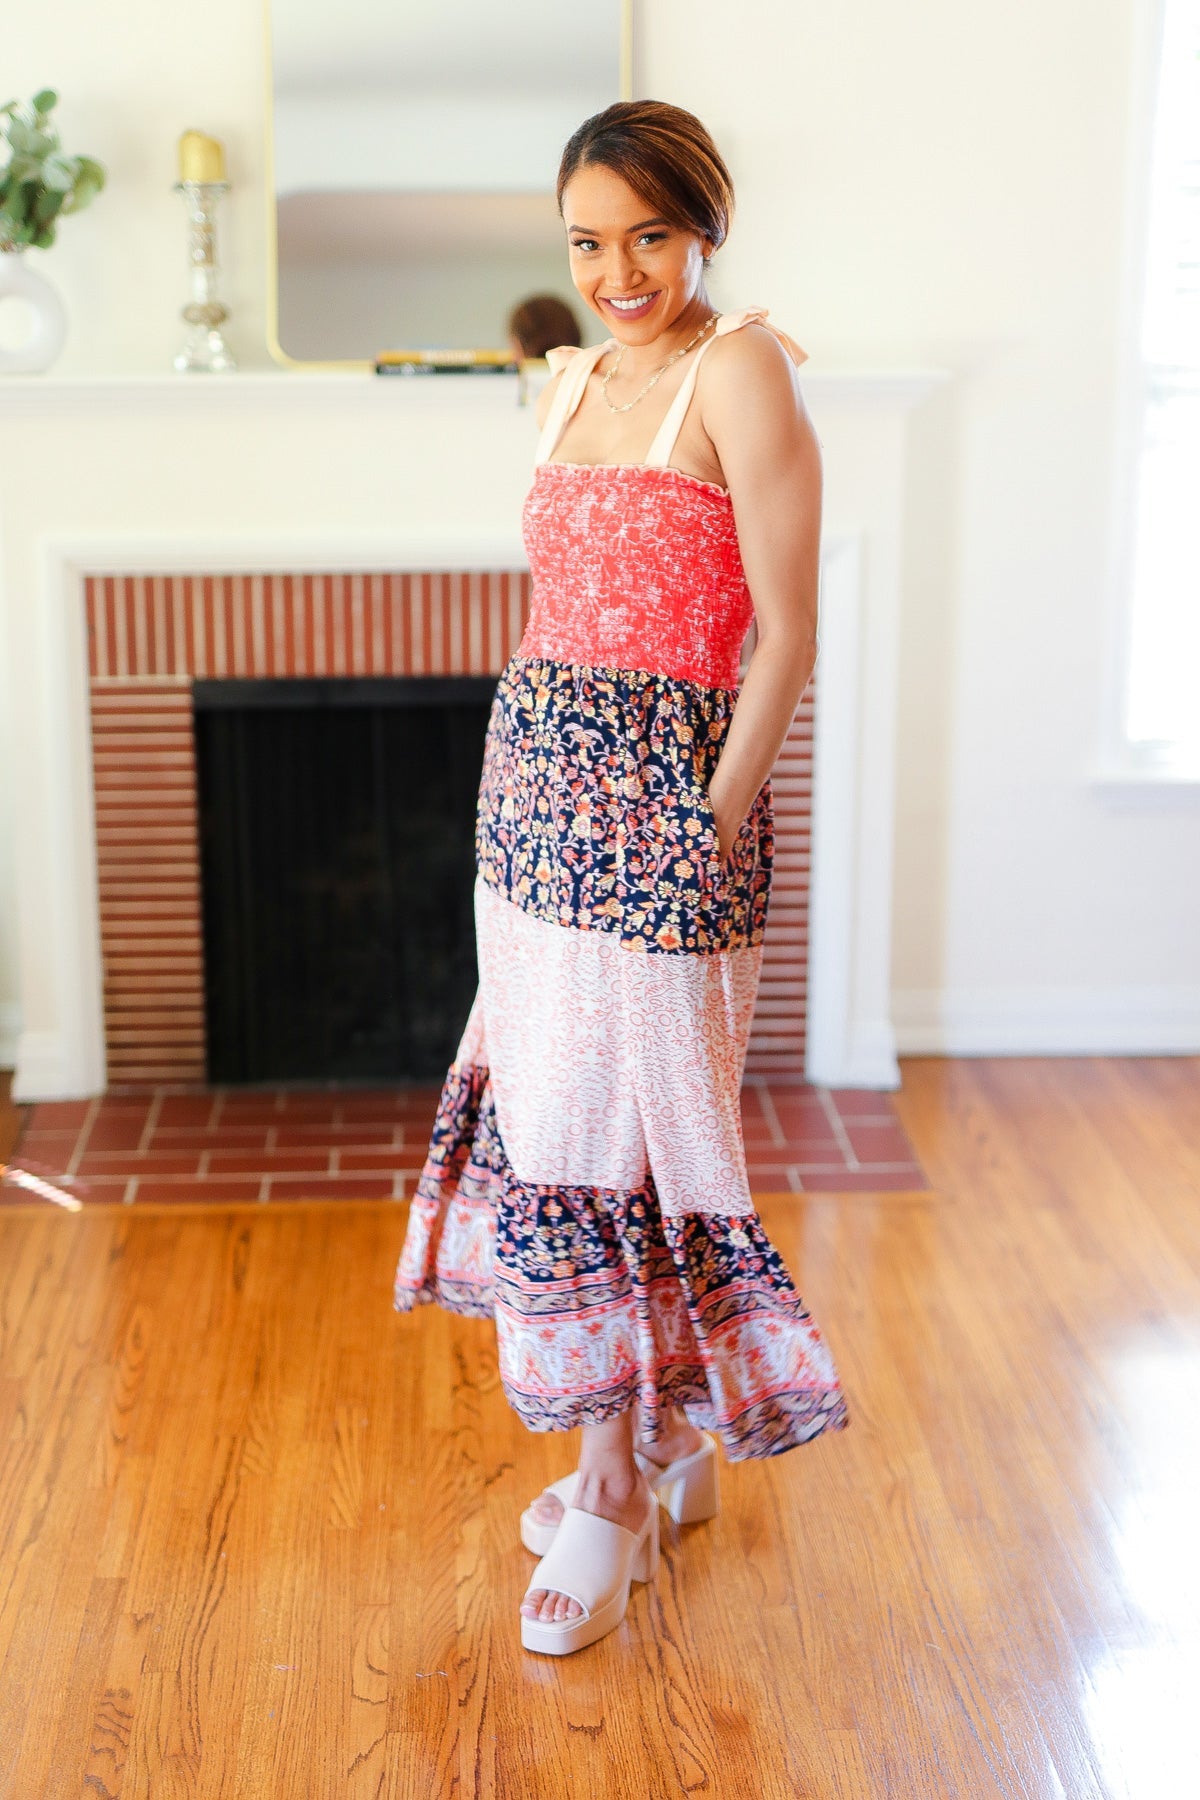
(674, 357)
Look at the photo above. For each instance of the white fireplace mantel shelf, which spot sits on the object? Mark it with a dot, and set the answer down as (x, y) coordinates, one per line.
(279, 469)
(23, 396)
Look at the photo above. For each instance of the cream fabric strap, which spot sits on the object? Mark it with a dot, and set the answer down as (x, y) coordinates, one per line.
(580, 363)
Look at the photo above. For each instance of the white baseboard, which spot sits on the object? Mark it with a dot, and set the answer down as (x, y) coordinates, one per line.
(43, 1071)
(1128, 1021)
(867, 1059)
(10, 1031)
(1133, 1021)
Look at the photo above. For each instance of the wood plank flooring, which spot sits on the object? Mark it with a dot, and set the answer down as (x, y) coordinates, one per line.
(258, 1532)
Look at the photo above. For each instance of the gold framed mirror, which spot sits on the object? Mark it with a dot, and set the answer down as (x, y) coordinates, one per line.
(411, 156)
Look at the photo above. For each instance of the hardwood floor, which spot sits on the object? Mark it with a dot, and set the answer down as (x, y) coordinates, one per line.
(258, 1532)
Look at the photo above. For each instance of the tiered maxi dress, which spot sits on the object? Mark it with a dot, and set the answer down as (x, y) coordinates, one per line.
(586, 1182)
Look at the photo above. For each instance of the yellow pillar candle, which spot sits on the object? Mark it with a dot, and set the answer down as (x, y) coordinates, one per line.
(200, 158)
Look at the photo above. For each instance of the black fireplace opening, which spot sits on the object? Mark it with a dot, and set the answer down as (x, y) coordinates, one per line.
(337, 833)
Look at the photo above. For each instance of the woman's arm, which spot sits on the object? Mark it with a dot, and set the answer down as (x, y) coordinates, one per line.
(754, 412)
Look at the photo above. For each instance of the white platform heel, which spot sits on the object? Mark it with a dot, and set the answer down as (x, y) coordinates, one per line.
(688, 1488)
(593, 1562)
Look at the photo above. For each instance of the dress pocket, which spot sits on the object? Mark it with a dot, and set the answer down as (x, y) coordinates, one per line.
(717, 862)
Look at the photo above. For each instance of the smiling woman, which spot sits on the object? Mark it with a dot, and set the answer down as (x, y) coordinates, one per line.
(586, 1183)
(664, 159)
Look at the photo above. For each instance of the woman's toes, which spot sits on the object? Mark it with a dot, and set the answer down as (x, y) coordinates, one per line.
(548, 1509)
(550, 1608)
(557, 1608)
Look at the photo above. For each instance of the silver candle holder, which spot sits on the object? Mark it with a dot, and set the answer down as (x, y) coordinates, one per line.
(205, 348)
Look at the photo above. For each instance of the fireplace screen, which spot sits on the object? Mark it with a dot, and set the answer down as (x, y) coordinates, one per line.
(337, 822)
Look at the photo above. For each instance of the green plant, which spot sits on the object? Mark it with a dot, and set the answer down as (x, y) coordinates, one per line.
(38, 184)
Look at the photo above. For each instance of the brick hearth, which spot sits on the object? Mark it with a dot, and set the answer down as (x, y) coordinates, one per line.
(231, 1147)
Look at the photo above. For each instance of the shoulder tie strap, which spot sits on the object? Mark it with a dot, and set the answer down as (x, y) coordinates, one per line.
(576, 365)
(663, 447)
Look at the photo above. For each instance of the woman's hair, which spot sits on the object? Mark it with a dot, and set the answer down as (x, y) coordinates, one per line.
(665, 155)
(541, 323)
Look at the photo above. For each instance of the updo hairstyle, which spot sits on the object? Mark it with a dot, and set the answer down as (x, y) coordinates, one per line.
(664, 154)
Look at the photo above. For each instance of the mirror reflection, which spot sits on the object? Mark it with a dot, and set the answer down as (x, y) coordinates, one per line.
(414, 151)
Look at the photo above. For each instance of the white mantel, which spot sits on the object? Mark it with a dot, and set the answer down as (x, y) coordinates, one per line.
(289, 470)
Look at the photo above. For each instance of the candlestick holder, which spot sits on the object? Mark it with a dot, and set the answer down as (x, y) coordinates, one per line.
(205, 348)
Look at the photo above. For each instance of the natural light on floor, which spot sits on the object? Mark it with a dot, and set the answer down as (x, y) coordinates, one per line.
(1140, 1704)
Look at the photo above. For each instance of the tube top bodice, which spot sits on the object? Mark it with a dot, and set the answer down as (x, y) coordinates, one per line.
(635, 567)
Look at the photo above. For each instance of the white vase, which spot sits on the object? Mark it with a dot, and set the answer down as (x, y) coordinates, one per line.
(49, 332)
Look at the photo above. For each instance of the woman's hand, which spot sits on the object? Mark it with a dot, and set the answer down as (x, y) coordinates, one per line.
(728, 827)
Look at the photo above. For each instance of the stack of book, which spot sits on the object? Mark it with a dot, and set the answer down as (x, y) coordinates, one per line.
(445, 362)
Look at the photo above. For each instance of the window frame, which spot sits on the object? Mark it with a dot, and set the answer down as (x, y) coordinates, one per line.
(1123, 763)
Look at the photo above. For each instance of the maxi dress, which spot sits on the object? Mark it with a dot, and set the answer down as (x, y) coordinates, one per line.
(585, 1182)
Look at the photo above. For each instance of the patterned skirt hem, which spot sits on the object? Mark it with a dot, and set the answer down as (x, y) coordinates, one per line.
(461, 1297)
(600, 1303)
(770, 1428)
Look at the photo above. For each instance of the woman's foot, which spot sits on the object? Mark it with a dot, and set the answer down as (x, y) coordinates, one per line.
(612, 1493)
(676, 1438)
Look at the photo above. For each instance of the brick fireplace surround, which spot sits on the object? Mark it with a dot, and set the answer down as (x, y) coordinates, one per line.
(151, 635)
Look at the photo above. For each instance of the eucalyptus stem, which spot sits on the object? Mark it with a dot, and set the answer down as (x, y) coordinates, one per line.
(39, 184)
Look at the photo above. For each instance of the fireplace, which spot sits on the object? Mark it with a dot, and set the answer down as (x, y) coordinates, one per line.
(337, 871)
(268, 525)
(163, 647)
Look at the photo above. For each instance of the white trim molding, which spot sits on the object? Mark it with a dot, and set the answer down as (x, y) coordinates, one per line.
(45, 396)
(1128, 1021)
(10, 1031)
(850, 1038)
(1121, 763)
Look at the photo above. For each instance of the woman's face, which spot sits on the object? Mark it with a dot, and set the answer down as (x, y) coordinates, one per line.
(620, 252)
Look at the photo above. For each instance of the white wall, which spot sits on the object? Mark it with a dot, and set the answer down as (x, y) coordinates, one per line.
(940, 185)
(946, 184)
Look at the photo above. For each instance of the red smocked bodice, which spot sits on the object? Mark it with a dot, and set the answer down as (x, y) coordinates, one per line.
(635, 567)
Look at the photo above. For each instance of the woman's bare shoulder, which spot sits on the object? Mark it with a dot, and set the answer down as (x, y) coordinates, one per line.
(752, 402)
(753, 353)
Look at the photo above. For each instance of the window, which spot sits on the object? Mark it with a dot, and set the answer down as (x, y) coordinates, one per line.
(1162, 697)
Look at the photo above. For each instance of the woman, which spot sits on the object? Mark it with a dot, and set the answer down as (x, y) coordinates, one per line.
(586, 1179)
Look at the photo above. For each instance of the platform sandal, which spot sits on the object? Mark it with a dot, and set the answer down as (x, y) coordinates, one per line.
(593, 1562)
(687, 1488)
